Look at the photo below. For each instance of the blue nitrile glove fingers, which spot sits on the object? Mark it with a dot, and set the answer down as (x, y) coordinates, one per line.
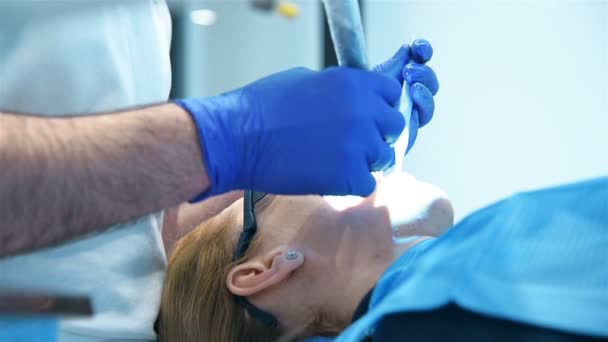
(393, 66)
(427, 87)
(393, 124)
(386, 158)
(422, 51)
(299, 132)
(408, 64)
(413, 129)
(421, 73)
(386, 153)
(422, 113)
(424, 104)
(331, 136)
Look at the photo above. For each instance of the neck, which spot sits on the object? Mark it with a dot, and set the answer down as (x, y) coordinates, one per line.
(349, 302)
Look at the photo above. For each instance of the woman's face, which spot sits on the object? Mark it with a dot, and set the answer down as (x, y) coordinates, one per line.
(363, 230)
(343, 252)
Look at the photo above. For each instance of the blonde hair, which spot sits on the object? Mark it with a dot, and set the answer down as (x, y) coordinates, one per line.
(196, 305)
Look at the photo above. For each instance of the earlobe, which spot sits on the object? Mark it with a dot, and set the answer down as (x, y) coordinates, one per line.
(254, 276)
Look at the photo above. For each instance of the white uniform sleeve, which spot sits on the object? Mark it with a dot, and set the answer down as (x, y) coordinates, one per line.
(82, 57)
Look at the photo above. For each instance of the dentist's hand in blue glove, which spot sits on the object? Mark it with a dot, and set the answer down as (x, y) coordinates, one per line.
(300, 132)
(409, 63)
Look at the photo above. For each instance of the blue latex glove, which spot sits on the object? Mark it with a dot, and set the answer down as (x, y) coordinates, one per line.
(409, 63)
(300, 132)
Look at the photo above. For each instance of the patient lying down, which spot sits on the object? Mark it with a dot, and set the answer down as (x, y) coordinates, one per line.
(531, 267)
(308, 265)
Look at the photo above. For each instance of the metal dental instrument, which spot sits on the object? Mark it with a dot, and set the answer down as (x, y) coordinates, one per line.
(344, 19)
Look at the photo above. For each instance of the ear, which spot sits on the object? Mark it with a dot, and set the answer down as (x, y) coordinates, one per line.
(254, 276)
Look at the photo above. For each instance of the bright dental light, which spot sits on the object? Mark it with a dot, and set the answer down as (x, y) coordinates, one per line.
(406, 199)
(203, 17)
(340, 203)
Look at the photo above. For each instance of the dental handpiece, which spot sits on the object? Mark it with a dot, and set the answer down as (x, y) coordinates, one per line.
(346, 29)
(344, 19)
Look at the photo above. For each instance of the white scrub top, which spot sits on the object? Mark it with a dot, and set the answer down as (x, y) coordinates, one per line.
(82, 57)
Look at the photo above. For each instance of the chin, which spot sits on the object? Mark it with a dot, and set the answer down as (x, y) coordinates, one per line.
(416, 208)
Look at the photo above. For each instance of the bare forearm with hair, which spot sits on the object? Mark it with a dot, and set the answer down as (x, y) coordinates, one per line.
(65, 177)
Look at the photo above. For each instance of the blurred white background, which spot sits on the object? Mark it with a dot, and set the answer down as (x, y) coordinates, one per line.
(523, 99)
(244, 44)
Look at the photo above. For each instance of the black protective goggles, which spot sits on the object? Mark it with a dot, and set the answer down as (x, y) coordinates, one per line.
(250, 227)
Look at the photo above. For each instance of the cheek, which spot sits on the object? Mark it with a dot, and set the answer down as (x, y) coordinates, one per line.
(368, 217)
(299, 219)
(322, 228)
(363, 228)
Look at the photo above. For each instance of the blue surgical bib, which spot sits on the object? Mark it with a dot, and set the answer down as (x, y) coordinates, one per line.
(538, 257)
